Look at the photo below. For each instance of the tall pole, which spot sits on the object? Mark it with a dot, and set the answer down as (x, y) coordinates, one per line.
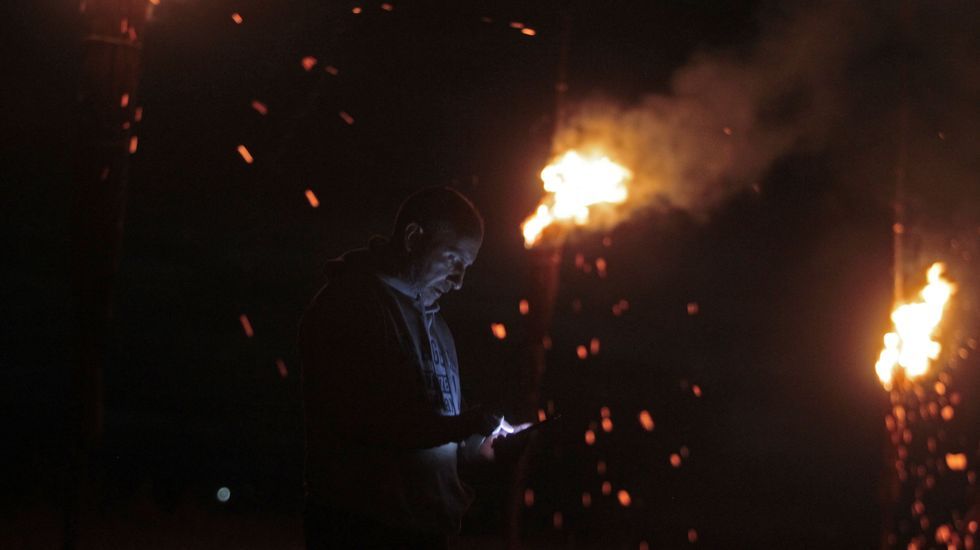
(105, 113)
(544, 272)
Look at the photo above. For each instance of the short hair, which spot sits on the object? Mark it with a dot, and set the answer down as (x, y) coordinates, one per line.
(438, 209)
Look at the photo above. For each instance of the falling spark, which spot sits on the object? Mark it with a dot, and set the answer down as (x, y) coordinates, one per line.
(600, 267)
(692, 535)
(600, 467)
(308, 63)
(133, 144)
(575, 184)
(624, 498)
(311, 197)
(911, 347)
(516, 25)
(246, 325)
(948, 413)
(246, 156)
(331, 70)
(956, 461)
(356, 10)
(589, 437)
(542, 416)
(696, 390)
(138, 114)
(237, 18)
(499, 330)
(528, 32)
(528, 497)
(260, 107)
(604, 412)
(582, 352)
(281, 367)
(727, 130)
(524, 307)
(693, 308)
(124, 101)
(594, 346)
(586, 499)
(606, 488)
(607, 425)
(387, 7)
(557, 520)
(646, 420)
(675, 460)
(346, 117)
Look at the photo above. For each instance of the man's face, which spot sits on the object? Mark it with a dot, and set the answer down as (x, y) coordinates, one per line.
(440, 264)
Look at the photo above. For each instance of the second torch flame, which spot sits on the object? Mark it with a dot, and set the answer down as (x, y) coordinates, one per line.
(911, 347)
(575, 184)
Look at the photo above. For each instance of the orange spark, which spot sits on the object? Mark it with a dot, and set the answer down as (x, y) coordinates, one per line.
(308, 63)
(260, 107)
(692, 535)
(246, 325)
(499, 330)
(604, 412)
(124, 101)
(311, 197)
(524, 307)
(589, 437)
(624, 498)
(528, 32)
(516, 25)
(594, 346)
(138, 114)
(607, 425)
(956, 461)
(582, 352)
(675, 460)
(693, 308)
(727, 130)
(237, 18)
(948, 413)
(646, 420)
(606, 488)
(387, 7)
(600, 267)
(281, 367)
(133, 144)
(696, 390)
(542, 416)
(529, 497)
(600, 467)
(557, 520)
(346, 117)
(331, 70)
(586, 499)
(246, 156)
(356, 10)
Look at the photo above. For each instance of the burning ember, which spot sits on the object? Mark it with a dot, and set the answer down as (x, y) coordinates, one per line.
(911, 347)
(575, 184)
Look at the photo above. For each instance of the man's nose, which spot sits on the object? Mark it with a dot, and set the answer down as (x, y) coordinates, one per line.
(456, 278)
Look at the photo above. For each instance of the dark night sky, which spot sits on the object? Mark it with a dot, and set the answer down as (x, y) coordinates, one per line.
(792, 278)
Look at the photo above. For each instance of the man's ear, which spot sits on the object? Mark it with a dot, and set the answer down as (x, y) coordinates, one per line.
(413, 235)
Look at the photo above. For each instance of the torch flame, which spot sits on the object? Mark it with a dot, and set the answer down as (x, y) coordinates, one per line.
(910, 346)
(575, 183)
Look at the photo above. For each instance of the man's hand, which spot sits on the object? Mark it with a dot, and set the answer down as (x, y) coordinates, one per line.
(503, 431)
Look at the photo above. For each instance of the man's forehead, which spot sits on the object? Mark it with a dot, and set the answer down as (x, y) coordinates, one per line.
(468, 247)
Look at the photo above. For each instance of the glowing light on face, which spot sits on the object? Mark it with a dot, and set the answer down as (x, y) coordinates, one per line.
(575, 184)
(910, 346)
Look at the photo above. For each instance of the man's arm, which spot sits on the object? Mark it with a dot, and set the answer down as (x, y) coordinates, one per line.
(358, 385)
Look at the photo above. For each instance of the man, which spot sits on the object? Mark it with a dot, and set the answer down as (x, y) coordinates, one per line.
(385, 427)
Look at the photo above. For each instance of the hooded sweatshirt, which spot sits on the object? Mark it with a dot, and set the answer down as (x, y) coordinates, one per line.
(381, 400)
